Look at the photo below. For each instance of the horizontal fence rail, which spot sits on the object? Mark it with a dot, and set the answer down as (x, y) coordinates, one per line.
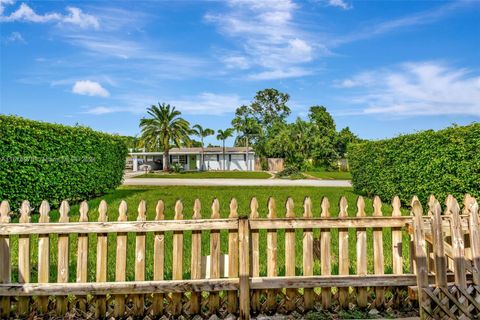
(224, 265)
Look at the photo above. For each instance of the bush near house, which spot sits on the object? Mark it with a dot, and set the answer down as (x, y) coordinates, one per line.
(40, 160)
(439, 162)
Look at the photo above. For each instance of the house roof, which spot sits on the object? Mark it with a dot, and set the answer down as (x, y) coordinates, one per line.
(207, 150)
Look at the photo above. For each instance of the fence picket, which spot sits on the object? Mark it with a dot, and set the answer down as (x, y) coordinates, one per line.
(472, 207)
(291, 293)
(232, 297)
(343, 259)
(43, 255)
(308, 294)
(5, 263)
(158, 259)
(214, 298)
(271, 256)
(82, 255)
(139, 299)
(255, 256)
(101, 274)
(440, 263)
(244, 272)
(361, 254)
(177, 267)
(63, 258)
(325, 255)
(121, 261)
(378, 256)
(458, 243)
(196, 264)
(24, 258)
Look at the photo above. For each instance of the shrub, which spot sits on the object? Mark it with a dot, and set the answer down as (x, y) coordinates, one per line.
(290, 172)
(41, 160)
(440, 163)
(176, 167)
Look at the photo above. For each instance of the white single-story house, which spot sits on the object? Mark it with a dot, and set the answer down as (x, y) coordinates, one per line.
(236, 158)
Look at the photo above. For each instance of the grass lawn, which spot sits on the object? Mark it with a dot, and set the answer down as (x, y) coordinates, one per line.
(209, 175)
(133, 194)
(330, 175)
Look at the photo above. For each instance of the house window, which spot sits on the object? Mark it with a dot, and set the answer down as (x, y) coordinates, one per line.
(182, 159)
(218, 157)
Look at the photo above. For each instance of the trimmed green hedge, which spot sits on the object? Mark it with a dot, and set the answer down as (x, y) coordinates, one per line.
(430, 162)
(40, 160)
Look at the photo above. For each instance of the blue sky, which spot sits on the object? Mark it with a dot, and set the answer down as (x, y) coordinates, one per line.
(380, 67)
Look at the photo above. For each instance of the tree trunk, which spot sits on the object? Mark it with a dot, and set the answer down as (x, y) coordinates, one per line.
(166, 160)
(224, 165)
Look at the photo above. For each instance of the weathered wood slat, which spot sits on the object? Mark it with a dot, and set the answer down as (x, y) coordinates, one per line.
(343, 258)
(255, 256)
(472, 207)
(139, 300)
(458, 243)
(126, 287)
(121, 261)
(158, 259)
(308, 294)
(196, 259)
(82, 255)
(177, 266)
(63, 258)
(115, 226)
(232, 297)
(420, 254)
(325, 222)
(333, 281)
(244, 272)
(271, 303)
(5, 264)
(440, 261)
(378, 257)
(214, 298)
(43, 256)
(290, 257)
(325, 255)
(362, 298)
(102, 254)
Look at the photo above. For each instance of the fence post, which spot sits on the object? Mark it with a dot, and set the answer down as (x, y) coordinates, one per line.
(255, 256)
(308, 294)
(362, 298)
(232, 296)
(138, 299)
(43, 256)
(378, 256)
(244, 263)
(101, 274)
(158, 259)
(196, 259)
(472, 207)
(290, 257)
(420, 252)
(214, 298)
(82, 255)
(325, 255)
(177, 267)
(343, 259)
(63, 258)
(121, 261)
(271, 257)
(440, 262)
(458, 243)
(5, 267)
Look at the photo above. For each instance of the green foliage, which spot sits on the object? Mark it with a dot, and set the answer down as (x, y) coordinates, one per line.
(440, 163)
(41, 160)
(176, 167)
(290, 172)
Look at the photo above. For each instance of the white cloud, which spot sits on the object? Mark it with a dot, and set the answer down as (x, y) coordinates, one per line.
(339, 3)
(89, 88)
(266, 34)
(75, 16)
(102, 110)
(428, 88)
(280, 74)
(208, 103)
(15, 37)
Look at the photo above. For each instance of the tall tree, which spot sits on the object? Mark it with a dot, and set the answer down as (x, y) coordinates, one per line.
(224, 135)
(163, 128)
(202, 133)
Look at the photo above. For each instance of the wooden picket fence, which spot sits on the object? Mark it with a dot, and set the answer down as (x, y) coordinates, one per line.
(244, 291)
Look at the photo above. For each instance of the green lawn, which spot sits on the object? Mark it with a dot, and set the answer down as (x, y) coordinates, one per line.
(133, 194)
(330, 175)
(209, 175)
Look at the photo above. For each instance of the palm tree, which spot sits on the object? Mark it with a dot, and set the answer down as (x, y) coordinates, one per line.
(224, 135)
(202, 133)
(163, 128)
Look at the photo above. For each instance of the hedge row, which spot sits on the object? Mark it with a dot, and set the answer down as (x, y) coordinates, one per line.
(430, 162)
(41, 160)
